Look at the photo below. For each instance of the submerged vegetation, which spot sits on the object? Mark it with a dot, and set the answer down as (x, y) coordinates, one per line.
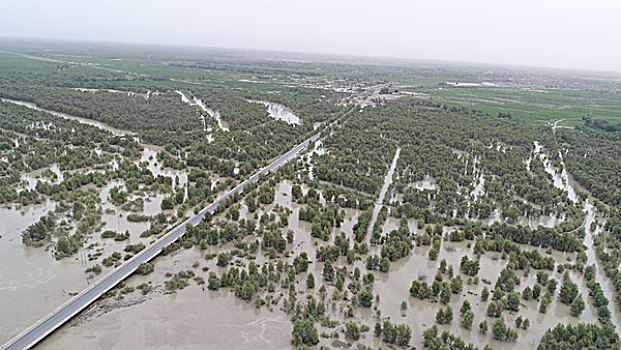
(478, 238)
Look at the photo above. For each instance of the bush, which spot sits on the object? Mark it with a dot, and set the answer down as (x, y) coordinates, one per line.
(145, 268)
(305, 333)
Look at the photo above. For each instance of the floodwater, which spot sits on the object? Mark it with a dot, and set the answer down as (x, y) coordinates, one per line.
(317, 150)
(191, 319)
(549, 221)
(36, 283)
(479, 180)
(30, 179)
(607, 287)
(428, 183)
(32, 282)
(420, 315)
(114, 131)
(128, 93)
(380, 200)
(214, 114)
(563, 181)
(280, 112)
(197, 319)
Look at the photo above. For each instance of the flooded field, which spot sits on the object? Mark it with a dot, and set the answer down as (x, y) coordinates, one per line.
(317, 150)
(95, 123)
(280, 112)
(197, 318)
(421, 314)
(35, 282)
(213, 114)
(163, 320)
(193, 319)
(32, 282)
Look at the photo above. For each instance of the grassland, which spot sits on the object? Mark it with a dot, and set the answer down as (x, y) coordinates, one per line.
(535, 106)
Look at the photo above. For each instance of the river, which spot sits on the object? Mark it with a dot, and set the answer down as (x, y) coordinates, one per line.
(214, 114)
(380, 200)
(103, 126)
(562, 180)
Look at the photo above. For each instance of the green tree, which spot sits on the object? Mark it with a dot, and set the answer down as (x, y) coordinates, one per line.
(328, 271)
(352, 330)
(310, 281)
(467, 320)
(483, 327)
(484, 294)
(569, 291)
(577, 306)
(304, 333)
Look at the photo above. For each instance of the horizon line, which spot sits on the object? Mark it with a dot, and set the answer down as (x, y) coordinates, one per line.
(342, 56)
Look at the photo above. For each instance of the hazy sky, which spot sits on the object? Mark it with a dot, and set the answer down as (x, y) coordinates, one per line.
(552, 33)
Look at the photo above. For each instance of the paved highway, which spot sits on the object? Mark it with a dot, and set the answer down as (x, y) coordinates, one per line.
(56, 318)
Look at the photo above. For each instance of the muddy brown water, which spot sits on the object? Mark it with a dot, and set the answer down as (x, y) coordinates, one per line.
(194, 318)
(33, 282)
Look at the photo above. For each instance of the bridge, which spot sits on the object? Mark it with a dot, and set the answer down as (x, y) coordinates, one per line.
(66, 311)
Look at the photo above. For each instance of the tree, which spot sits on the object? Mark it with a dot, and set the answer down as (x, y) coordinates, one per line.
(569, 291)
(296, 192)
(352, 330)
(213, 281)
(483, 327)
(328, 271)
(545, 302)
(513, 301)
(384, 264)
(66, 246)
(300, 263)
(445, 293)
(465, 307)
(495, 308)
(466, 322)
(444, 316)
(456, 285)
(378, 329)
(366, 297)
(526, 323)
(581, 336)
(433, 253)
(552, 285)
(536, 291)
(305, 333)
(518, 322)
(484, 294)
(469, 267)
(527, 294)
(499, 329)
(394, 334)
(310, 281)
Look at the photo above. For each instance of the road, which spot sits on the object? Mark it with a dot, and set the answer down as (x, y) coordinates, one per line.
(556, 126)
(369, 100)
(62, 314)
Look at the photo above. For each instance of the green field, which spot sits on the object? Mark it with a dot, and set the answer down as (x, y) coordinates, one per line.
(533, 105)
